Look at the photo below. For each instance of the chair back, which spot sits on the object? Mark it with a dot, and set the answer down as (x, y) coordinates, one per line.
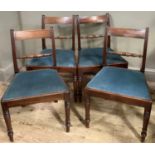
(50, 20)
(28, 35)
(128, 33)
(102, 19)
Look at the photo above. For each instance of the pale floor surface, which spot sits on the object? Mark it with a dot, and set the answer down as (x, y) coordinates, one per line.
(111, 122)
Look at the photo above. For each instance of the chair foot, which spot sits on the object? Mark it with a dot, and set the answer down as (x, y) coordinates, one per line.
(87, 123)
(10, 134)
(143, 135)
(67, 127)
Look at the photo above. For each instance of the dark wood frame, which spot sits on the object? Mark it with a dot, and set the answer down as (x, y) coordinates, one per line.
(146, 104)
(102, 19)
(21, 35)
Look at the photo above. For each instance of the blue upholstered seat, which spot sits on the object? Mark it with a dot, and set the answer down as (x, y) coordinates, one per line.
(121, 81)
(93, 56)
(64, 58)
(34, 83)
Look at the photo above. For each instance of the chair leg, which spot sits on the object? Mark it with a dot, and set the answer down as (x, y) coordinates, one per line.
(87, 110)
(67, 113)
(80, 82)
(146, 117)
(7, 119)
(75, 86)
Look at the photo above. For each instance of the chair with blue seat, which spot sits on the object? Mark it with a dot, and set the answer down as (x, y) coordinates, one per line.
(90, 58)
(30, 87)
(121, 84)
(65, 56)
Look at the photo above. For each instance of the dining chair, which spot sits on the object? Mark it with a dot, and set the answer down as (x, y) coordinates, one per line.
(121, 84)
(30, 87)
(90, 57)
(65, 56)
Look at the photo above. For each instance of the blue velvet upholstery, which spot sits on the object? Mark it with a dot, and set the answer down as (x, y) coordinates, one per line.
(121, 81)
(93, 56)
(64, 58)
(34, 83)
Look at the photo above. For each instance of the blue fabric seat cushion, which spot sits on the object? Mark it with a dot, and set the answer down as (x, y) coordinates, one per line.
(93, 56)
(64, 58)
(34, 83)
(121, 81)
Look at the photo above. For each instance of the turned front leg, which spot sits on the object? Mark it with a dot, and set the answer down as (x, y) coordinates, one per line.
(7, 119)
(146, 117)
